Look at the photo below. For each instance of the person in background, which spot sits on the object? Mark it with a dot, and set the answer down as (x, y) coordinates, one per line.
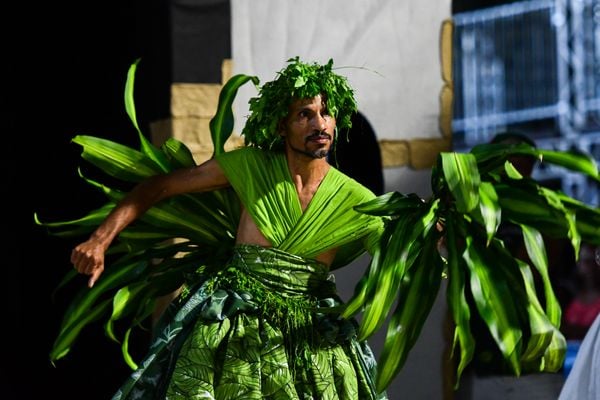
(581, 312)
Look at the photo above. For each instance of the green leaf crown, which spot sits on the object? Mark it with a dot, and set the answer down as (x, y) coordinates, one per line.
(298, 80)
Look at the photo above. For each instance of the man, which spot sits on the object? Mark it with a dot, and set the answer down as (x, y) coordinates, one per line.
(263, 326)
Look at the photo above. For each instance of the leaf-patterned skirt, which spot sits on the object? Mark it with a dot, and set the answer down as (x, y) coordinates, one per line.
(265, 327)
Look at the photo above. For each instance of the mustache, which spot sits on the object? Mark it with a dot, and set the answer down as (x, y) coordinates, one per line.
(318, 135)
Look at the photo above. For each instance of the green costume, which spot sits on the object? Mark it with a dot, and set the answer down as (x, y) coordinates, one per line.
(264, 323)
(263, 326)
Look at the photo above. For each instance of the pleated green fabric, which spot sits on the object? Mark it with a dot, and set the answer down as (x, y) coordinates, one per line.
(264, 185)
(230, 339)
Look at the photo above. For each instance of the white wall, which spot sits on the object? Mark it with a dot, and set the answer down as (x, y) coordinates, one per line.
(392, 48)
(389, 51)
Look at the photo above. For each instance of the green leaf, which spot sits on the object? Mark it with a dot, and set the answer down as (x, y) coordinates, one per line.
(541, 328)
(526, 206)
(92, 219)
(388, 280)
(404, 246)
(179, 154)
(115, 159)
(62, 344)
(574, 161)
(554, 200)
(221, 125)
(122, 299)
(500, 152)
(534, 243)
(129, 94)
(511, 171)
(392, 204)
(418, 292)
(489, 212)
(147, 148)
(367, 285)
(554, 356)
(125, 351)
(462, 177)
(457, 301)
(494, 299)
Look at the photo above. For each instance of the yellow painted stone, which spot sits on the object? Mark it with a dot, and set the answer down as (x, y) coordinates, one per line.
(394, 153)
(194, 99)
(446, 111)
(226, 70)
(423, 152)
(446, 34)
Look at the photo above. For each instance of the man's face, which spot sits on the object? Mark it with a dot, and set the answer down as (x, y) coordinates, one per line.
(308, 129)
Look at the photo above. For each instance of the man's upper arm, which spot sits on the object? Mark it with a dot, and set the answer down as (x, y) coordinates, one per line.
(202, 178)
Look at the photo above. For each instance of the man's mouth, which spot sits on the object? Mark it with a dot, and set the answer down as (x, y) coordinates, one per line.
(319, 138)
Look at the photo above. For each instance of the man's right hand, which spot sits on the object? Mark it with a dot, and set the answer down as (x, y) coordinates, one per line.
(88, 259)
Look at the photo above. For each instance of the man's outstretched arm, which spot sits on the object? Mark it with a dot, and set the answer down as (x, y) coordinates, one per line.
(88, 256)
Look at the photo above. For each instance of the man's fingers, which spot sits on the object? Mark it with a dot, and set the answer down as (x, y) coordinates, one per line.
(94, 277)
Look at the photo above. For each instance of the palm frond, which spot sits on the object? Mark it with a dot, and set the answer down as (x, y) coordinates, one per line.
(476, 192)
(147, 261)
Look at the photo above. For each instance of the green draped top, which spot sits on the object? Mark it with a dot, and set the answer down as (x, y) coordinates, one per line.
(263, 182)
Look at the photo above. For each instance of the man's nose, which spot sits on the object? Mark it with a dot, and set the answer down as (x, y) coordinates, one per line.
(319, 122)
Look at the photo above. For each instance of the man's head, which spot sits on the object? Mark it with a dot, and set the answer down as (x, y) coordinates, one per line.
(271, 109)
(308, 129)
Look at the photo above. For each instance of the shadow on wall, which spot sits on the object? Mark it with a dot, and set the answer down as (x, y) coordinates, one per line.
(356, 153)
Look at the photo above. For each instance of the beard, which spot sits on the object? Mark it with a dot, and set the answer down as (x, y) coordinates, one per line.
(316, 154)
(320, 152)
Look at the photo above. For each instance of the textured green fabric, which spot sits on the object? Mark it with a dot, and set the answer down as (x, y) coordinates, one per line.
(227, 339)
(264, 325)
(262, 181)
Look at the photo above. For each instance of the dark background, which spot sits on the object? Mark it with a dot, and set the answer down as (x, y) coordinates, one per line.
(64, 70)
(64, 66)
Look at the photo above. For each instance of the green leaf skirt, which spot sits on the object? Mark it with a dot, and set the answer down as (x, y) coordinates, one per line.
(265, 327)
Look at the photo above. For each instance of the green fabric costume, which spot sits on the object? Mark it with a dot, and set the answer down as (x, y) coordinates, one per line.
(263, 326)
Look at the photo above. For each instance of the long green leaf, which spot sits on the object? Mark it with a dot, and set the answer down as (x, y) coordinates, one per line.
(405, 245)
(522, 205)
(419, 290)
(536, 249)
(115, 159)
(457, 302)
(64, 341)
(390, 204)
(388, 280)
(574, 161)
(541, 328)
(221, 125)
(554, 356)
(494, 300)
(168, 215)
(110, 279)
(462, 177)
(498, 153)
(366, 286)
(92, 219)
(554, 200)
(147, 148)
(489, 212)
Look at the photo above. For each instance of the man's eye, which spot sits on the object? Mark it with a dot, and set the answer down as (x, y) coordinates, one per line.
(303, 114)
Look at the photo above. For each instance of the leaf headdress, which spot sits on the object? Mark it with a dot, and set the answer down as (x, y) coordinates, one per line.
(298, 80)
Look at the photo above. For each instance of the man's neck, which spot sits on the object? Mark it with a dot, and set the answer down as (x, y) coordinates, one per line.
(307, 169)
